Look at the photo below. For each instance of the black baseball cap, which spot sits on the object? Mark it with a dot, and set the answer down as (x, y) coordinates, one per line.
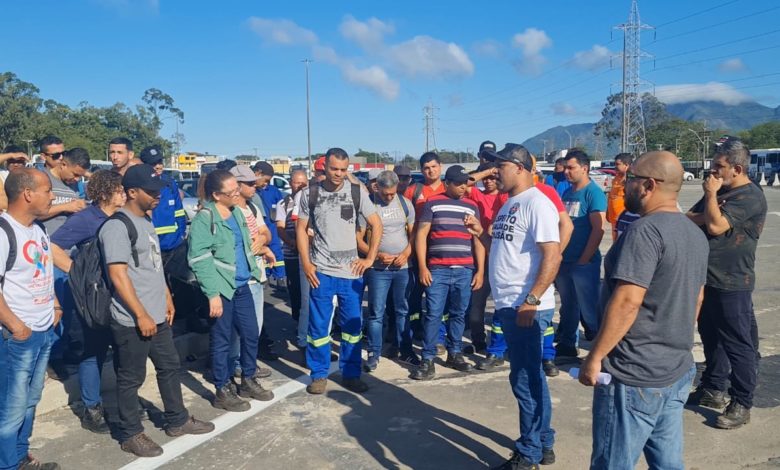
(457, 174)
(486, 145)
(402, 170)
(152, 155)
(142, 177)
(514, 153)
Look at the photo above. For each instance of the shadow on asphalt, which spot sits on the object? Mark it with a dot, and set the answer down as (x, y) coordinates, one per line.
(420, 437)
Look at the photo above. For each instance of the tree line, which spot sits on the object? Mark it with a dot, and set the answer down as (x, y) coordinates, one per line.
(26, 117)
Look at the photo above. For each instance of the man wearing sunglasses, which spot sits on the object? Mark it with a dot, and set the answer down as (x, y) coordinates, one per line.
(52, 149)
(731, 214)
(654, 278)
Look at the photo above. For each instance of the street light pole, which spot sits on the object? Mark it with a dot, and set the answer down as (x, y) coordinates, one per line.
(570, 140)
(703, 150)
(308, 114)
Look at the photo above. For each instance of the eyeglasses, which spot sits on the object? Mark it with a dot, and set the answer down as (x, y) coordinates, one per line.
(632, 176)
(55, 156)
(233, 193)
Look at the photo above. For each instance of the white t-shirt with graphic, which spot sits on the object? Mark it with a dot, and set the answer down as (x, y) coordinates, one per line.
(29, 284)
(525, 220)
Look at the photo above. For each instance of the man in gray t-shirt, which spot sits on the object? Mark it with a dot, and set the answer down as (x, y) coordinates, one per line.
(142, 314)
(655, 276)
(147, 278)
(64, 176)
(389, 283)
(332, 267)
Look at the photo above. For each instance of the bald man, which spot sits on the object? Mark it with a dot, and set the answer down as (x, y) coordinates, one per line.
(654, 276)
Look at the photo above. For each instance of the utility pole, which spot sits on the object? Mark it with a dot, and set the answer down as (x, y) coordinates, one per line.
(633, 122)
(308, 115)
(569, 134)
(544, 149)
(29, 149)
(430, 135)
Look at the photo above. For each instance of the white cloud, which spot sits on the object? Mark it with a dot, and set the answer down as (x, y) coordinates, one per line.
(531, 42)
(369, 34)
(563, 109)
(712, 91)
(487, 48)
(429, 57)
(374, 78)
(732, 65)
(593, 59)
(281, 31)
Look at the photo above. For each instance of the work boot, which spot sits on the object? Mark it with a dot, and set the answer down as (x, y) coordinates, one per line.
(440, 350)
(734, 417)
(371, 363)
(317, 386)
(550, 369)
(425, 371)
(251, 388)
(228, 400)
(94, 420)
(566, 351)
(191, 426)
(457, 362)
(142, 446)
(31, 463)
(707, 397)
(354, 385)
(490, 362)
(548, 456)
(517, 462)
(262, 372)
(409, 358)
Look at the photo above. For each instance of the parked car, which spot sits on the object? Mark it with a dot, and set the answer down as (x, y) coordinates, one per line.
(602, 179)
(687, 176)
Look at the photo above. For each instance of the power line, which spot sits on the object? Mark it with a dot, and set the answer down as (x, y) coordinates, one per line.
(727, 43)
(667, 38)
(741, 53)
(706, 10)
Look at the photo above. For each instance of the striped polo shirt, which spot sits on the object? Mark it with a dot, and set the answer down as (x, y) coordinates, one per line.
(449, 242)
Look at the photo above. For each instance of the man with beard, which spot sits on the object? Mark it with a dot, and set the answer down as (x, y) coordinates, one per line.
(654, 277)
(731, 214)
(141, 316)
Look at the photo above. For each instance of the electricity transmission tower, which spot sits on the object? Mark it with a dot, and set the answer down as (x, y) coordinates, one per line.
(633, 125)
(430, 133)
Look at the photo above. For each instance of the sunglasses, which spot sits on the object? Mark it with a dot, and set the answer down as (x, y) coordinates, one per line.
(634, 176)
(55, 156)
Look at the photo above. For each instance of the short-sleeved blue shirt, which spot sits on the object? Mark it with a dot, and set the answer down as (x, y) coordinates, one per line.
(579, 205)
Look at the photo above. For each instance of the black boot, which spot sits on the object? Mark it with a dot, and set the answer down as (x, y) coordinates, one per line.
(734, 417)
(94, 420)
(425, 371)
(457, 362)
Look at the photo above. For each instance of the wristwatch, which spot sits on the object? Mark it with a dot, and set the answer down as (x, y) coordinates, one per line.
(531, 299)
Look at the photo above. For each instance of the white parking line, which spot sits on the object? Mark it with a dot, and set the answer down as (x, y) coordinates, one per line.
(184, 444)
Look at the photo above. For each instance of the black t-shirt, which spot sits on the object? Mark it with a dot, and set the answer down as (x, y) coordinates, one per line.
(733, 253)
(666, 254)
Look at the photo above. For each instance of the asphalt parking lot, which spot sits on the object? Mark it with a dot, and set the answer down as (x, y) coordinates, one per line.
(457, 421)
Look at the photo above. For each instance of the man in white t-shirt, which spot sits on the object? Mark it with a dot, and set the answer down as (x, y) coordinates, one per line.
(28, 310)
(524, 259)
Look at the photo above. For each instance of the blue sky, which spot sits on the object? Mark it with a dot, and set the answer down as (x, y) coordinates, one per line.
(501, 70)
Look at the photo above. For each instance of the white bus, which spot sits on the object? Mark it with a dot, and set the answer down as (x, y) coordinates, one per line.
(766, 163)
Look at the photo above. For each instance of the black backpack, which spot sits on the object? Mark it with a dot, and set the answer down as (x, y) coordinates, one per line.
(9, 233)
(89, 281)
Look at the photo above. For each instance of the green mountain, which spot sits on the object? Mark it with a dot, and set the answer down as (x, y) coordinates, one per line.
(715, 114)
